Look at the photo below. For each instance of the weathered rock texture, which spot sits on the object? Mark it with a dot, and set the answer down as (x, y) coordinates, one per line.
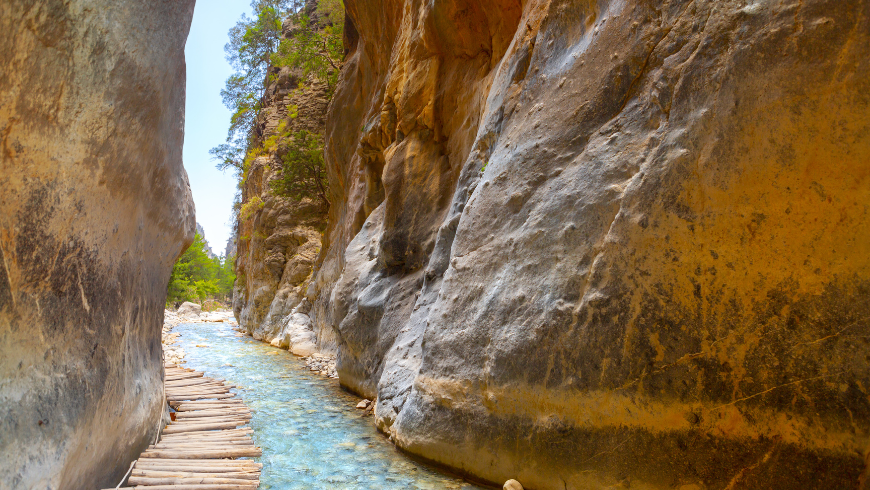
(278, 238)
(94, 209)
(616, 243)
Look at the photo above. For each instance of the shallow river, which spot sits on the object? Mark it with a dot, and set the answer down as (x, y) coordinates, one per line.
(312, 435)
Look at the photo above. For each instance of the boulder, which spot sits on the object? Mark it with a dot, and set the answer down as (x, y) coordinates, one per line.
(94, 209)
(189, 310)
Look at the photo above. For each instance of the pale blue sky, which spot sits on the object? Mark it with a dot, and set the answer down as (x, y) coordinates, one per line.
(206, 118)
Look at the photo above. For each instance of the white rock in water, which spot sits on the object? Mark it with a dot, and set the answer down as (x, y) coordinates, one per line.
(363, 404)
(512, 485)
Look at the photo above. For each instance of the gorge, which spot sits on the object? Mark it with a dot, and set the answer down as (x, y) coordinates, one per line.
(580, 244)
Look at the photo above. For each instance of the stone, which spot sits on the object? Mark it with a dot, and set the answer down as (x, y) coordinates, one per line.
(512, 485)
(94, 209)
(189, 310)
(563, 233)
(364, 404)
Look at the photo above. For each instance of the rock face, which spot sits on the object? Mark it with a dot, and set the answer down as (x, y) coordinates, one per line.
(613, 243)
(278, 238)
(94, 209)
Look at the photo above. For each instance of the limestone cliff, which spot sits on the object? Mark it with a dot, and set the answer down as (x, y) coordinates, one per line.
(94, 209)
(606, 244)
(278, 238)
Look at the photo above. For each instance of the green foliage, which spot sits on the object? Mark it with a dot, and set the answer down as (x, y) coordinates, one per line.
(315, 47)
(198, 277)
(303, 173)
(249, 50)
(249, 208)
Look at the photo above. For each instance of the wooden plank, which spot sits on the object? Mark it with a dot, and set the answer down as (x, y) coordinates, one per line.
(174, 377)
(209, 413)
(194, 486)
(174, 480)
(187, 407)
(209, 420)
(244, 474)
(176, 429)
(202, 454)
(180, 398)
(252, 475)
(223, 463)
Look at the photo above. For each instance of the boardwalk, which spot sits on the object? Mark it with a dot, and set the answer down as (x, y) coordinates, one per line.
(197, 450)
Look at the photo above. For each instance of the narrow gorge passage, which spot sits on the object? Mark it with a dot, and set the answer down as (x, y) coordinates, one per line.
(312, 435)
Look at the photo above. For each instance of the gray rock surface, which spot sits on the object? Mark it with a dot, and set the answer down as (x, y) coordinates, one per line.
(94, 209)
(188, 309)
(594, 244)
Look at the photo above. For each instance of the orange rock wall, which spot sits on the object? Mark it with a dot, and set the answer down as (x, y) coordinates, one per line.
(591, 244)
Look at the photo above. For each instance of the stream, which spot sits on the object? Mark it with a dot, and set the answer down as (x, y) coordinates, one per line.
(312, 435)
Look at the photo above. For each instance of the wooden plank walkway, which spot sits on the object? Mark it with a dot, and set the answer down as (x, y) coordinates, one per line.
(197, 450)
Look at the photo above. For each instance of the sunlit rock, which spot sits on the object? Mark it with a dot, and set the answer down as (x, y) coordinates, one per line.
(94, 209)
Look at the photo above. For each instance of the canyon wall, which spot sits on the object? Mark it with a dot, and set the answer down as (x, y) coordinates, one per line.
(94, 209)
(592, 244)
(278, 238)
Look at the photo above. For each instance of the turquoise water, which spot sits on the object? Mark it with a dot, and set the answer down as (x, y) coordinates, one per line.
(312, 435)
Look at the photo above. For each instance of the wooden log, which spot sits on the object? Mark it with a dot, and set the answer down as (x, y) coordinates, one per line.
(209, 420)
(217, 463)
(234, 440)
(205, 436)
(197, 391)
(221, 434)
(182, 465)
(217, 434)
(212, 413)
(194, 389)
(212, 402)
(198, 397)
(197, 486)
(172, 377)
(176, 429)
(219, 444)
(193, 379)
(187, 407)
(251, 475)
(209, 413)
(203, 454)
(244, 474)
(229, 442)
(174, 480)
(192, 382)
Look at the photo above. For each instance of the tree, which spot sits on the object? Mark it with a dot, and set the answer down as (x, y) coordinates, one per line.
(249, 50)
(196, 276)
(317, 47)
(303, 173)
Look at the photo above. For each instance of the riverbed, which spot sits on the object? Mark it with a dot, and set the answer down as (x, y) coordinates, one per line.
(312, 435)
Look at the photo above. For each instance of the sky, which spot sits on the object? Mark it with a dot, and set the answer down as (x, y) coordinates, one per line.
(206, 118)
